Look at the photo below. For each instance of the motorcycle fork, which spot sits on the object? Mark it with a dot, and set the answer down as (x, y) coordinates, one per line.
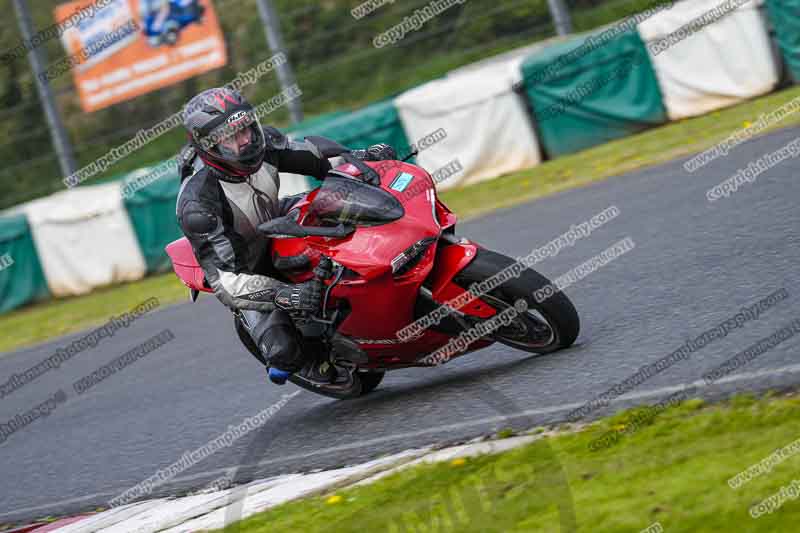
(454, 323)
(350, 355)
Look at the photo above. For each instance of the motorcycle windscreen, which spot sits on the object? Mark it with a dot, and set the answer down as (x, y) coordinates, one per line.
(352, 202)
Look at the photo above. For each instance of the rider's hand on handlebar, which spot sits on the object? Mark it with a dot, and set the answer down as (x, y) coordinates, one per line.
(301, 299)
(305, 299)
(376, 152)
(324, 268)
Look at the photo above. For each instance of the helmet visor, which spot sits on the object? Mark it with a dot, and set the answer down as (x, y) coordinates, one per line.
(238, 140)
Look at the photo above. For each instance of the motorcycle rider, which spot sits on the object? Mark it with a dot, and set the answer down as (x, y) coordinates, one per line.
(230, 181)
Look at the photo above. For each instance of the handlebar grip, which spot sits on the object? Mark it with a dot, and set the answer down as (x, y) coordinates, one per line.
(324, 268)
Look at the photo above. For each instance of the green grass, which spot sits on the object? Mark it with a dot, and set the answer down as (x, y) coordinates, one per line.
(673, 471)
(42, 321)
(649, 148)
(23, 327)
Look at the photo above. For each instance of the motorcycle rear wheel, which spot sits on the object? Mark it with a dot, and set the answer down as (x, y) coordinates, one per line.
(363, 383)
(527, 331)
(370, 381)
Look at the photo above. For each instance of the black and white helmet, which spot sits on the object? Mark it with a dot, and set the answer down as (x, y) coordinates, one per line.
(225, 132)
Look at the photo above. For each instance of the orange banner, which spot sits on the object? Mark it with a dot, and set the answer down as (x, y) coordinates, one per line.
(121, 49)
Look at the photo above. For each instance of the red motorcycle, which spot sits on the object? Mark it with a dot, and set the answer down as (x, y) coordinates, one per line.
(396, 260)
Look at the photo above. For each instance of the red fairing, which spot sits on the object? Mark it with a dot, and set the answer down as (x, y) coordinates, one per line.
(450, 261)
(186, 266)
(380, 302)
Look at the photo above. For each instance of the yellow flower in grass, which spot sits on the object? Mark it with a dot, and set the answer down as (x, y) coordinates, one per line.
(458, 462)
(333, 499)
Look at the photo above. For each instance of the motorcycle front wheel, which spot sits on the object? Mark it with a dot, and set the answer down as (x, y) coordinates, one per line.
(543, 327)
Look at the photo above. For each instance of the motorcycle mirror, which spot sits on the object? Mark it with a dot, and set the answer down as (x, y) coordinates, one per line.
(281, 228)
(286, 227)
(368, 175)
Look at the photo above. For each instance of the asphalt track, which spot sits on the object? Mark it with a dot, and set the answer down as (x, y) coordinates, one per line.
(694, 265)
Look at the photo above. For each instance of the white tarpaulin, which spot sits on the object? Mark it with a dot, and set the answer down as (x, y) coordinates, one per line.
(727, 61)
(486, 123)
(84, 239)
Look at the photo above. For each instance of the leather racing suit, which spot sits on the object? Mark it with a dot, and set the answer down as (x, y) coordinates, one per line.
(220, 217)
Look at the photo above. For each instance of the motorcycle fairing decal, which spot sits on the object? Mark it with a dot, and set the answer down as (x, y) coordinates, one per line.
(401, 182)
(386, 341)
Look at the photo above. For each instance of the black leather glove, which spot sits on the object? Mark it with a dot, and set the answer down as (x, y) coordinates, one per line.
(376, 152)
(324, 268)
(300, 300)
(305, 299)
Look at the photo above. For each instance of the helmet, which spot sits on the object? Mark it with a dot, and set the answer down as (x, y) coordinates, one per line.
(225, 131)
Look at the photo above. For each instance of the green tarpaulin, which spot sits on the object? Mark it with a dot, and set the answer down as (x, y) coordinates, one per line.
(21, 276)
(377, 123)
(301, 130)
(151, 207)
(584, 100)
(785, 17)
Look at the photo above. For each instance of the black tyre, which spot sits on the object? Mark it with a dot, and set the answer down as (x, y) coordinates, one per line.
(341, 390)
(244, 336)
(363, 381)
(370, 381)
(545, 327)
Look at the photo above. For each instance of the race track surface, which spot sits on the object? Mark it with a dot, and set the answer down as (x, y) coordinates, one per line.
(695, 264)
